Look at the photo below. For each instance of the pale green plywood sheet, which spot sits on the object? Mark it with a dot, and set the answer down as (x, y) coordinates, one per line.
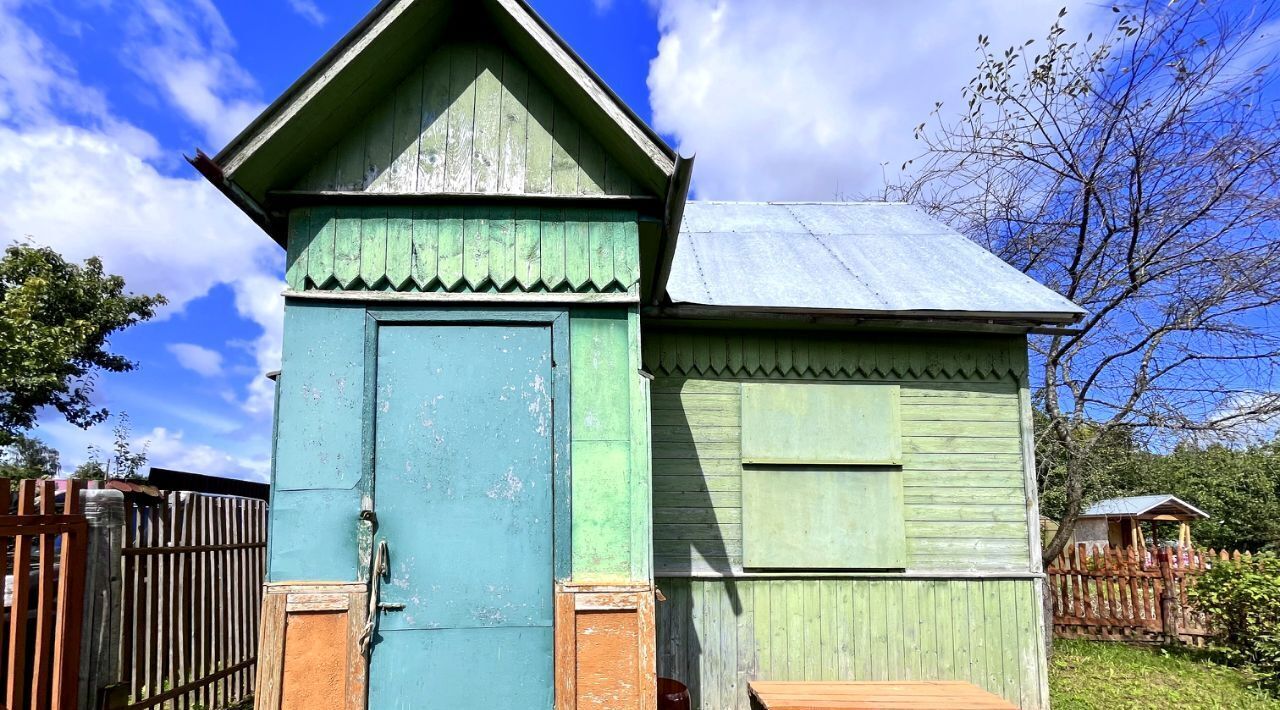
(812, 423)
(608, 438)
(823, 518)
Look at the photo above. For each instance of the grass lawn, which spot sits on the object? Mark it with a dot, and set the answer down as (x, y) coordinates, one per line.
(1109, 676)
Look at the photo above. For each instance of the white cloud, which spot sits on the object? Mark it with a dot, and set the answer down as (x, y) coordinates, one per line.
(310, 12)
(197, 358)
(807, 99)
(76, 178)
(169, 449)
(184, 50)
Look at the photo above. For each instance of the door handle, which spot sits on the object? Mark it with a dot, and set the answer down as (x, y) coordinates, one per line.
(378, 569)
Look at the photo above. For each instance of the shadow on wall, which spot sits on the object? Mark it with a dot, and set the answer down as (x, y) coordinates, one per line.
(689, 541)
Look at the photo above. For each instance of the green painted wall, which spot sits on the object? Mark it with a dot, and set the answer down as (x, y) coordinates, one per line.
(716, 635)
(966, 503)
(608, 443)
(471, 118)
(455, 249)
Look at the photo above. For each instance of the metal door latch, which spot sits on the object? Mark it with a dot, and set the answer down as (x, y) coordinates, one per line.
(390, 606)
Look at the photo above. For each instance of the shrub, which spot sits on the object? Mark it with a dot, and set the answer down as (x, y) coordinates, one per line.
(1242, 600)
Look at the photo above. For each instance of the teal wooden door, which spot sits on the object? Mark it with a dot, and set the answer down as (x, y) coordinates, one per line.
(463, 497)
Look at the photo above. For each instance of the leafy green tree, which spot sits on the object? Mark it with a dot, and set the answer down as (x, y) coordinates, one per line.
(28, 457)
(55, 318)
(120, 462)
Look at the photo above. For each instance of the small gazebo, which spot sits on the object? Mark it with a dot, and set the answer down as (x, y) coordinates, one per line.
(1115, 521)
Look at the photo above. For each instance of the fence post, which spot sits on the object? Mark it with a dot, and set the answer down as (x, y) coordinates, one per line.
(100, 649)
(1168, 619)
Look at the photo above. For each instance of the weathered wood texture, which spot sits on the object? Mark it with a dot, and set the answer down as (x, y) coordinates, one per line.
(471, 118)
(1127, 594)
(605, 647)
(867, 356)
(457, 249)
(611, 515)
(918, 695)
(193, 567)
(814, 423)
(310, 648)
(717, 635)
(963, 477)
(45, 547)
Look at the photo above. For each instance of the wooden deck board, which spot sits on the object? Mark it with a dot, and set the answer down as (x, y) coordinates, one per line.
(795, 695)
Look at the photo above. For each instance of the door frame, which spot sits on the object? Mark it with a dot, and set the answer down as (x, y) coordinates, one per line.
(557, 321)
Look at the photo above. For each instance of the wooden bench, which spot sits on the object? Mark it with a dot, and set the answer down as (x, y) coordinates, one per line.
(904, 695)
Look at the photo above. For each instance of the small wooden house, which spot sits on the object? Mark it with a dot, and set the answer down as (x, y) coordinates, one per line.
(1116, 522)
(528, 388)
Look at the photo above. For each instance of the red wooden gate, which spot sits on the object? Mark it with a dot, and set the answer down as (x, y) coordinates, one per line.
(44, 594)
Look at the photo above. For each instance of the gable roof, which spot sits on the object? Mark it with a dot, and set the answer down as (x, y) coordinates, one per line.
(1142, 505)
(368, 63)
(849, 258)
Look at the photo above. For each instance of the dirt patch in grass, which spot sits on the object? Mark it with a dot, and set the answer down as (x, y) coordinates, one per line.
(1110, 676)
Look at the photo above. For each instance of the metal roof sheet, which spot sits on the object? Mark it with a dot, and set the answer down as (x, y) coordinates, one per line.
(1137, 505)
(867, 257)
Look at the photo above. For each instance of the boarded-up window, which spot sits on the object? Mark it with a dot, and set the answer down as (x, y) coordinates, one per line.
(821, 481)
(785, 423)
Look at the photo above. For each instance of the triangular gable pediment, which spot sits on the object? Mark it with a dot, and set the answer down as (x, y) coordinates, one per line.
(471, 119)
(334, 105)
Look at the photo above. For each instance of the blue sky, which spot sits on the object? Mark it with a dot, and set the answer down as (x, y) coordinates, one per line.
(99, 99)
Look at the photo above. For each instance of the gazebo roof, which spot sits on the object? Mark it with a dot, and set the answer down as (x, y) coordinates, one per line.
(1149, 506)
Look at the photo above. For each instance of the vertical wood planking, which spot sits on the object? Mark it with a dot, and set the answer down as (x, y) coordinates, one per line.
(846, 629)
(433, 139)
(475, 246)
(68, 628)
(513, 136)
(400, 249)
(373, 248)
(18, 609)
(539, 143)
(552, 248)
(379, 149)
(425, 231)
(450, 256)
(528, 247)
(564, 149)
(461, 121)
(46, 603)
(502, 247)
(487, 123)
(406, 135)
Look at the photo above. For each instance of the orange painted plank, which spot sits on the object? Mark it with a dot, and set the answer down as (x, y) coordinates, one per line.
(796, 695)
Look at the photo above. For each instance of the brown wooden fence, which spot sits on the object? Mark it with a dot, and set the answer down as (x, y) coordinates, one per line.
(193, 567)
(44, 594)
(1129, 594)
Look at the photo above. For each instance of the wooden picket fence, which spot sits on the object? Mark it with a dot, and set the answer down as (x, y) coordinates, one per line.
(193, 567)
(44, 594)
(1128, 594)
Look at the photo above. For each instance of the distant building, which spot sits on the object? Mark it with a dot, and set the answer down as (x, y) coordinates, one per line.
(1115, 521)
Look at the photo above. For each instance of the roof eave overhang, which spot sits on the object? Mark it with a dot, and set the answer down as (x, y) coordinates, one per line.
(1048, 323)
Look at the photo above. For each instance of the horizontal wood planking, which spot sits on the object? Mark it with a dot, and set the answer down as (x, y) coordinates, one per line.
(717, 635)
(456, 249)
(962, 474)
(471, 118)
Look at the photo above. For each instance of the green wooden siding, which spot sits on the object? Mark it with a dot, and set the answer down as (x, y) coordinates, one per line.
(868, 356)
(965, 502)
(716, 635)
(611, 514)
(455, 249)
(470, 119)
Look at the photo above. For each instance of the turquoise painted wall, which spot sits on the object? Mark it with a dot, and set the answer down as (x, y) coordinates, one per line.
(319, 472)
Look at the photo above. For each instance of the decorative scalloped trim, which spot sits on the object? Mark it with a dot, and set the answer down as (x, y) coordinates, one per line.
(822, 357)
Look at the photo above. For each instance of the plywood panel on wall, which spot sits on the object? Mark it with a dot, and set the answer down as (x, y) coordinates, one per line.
(309, 656)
